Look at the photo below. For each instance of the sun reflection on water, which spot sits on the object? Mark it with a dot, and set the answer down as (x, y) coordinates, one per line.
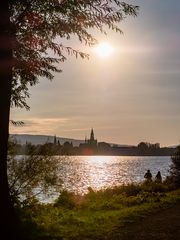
(98, 172)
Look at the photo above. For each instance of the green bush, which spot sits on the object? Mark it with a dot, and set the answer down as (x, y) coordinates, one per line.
(175, 168)
(65, 199)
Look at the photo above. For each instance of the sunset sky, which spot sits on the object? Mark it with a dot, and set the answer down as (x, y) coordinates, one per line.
(128, 96)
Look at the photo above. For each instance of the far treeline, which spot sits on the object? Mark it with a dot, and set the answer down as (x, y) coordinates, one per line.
(96, 148)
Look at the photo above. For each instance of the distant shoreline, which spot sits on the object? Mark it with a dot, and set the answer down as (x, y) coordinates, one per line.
(50, 145)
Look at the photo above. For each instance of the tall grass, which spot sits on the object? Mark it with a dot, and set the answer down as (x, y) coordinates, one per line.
(96, 214)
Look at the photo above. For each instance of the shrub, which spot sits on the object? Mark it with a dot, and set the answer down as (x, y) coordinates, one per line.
(31, 174)
(175, 167)
(65, 199)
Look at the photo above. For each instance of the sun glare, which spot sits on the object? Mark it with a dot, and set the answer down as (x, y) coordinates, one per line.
(104, 49)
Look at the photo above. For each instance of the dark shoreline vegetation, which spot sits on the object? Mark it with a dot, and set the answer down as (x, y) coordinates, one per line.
(95, 215)
(94, 149)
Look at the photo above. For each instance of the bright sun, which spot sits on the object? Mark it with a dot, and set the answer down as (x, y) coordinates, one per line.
(104, 49)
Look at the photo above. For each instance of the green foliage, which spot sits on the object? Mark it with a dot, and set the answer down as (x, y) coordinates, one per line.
(40, 27)
(125, 195)
(130, 189)
(66, 199)
(175, 168)
(31, 174)
(99, 214)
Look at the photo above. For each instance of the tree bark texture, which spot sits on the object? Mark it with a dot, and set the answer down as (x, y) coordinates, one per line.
(8, 221)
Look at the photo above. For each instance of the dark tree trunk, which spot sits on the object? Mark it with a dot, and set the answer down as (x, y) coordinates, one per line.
(8, 221)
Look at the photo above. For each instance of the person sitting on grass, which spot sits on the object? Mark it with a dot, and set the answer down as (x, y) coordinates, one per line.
(158, 177)
(148, 176)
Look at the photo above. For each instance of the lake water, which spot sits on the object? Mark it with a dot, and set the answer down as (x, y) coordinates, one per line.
(98, 172)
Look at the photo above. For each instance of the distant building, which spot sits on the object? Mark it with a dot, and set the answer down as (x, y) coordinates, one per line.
(89, 147)
(92, 141)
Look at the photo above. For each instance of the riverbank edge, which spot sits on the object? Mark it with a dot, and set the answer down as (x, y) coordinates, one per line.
(97, 215)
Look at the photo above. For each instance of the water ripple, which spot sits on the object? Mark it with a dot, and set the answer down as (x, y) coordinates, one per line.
(80, 172)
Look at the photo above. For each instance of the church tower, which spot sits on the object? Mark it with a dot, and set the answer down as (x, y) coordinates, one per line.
(92, 141)
(92, 135)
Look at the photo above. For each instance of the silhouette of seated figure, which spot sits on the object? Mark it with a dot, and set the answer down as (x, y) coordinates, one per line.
(158, 177)
(148, 176)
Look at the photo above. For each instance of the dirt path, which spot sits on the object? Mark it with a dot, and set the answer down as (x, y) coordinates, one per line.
(164, 225)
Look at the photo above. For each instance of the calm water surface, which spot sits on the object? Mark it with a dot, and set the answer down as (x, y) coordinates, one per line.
(80, 172)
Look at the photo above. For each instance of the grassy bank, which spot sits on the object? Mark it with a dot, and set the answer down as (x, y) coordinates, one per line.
(96, 215)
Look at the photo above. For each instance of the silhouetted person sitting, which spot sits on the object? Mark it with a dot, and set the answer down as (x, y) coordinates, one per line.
(148, 176)
(158, 177)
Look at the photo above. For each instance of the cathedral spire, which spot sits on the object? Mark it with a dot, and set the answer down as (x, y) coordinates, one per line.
(92, 135)
(92, 141)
